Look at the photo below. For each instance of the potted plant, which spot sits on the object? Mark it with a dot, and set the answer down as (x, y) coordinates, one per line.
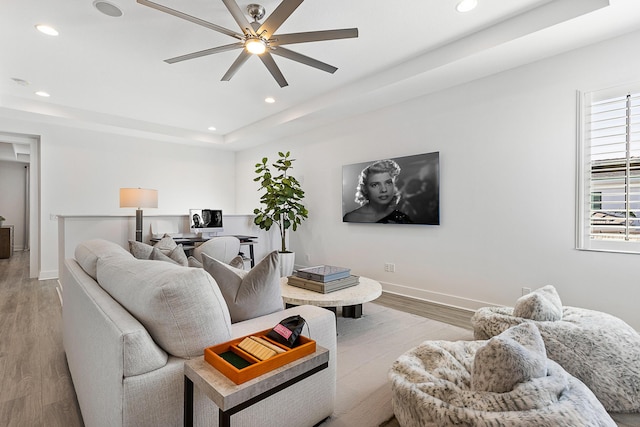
(2, 219)
(281, 203)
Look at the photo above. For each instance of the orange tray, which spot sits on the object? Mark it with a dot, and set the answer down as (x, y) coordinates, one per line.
(257, 367)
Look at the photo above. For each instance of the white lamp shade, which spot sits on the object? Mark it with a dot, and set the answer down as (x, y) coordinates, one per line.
(138, 198)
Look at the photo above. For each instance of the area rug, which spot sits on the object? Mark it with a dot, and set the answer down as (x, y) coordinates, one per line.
(391, 422)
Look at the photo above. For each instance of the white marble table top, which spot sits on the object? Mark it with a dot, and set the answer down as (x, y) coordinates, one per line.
(226, 394)
(367, 290)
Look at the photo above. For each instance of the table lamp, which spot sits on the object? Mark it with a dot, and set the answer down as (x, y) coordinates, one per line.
(138, 198)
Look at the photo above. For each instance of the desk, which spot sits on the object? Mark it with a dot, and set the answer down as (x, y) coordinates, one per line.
(188, 243)
(231, 398)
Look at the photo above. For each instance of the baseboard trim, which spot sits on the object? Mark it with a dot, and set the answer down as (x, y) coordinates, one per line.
(441, 312)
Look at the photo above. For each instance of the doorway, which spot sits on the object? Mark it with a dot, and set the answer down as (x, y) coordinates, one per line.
(22, 152)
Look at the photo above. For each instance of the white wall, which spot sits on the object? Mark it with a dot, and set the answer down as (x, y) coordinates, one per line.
(507, 153)
(83, 170)
(12, 199)
(507, 148)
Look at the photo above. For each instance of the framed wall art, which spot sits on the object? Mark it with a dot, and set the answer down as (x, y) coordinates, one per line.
(399, 190)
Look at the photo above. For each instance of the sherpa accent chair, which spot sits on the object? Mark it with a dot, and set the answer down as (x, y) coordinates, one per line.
(597, 348)
(506, 381)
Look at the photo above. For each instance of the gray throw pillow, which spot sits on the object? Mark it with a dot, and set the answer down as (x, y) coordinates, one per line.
(140, 250)
(176, 256)
(248, 294)
(192, 262)
(237, 262)
(166, 246)
(542, 305)
(515, 356)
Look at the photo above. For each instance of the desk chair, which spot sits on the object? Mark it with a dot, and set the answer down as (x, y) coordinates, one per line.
(223, 248)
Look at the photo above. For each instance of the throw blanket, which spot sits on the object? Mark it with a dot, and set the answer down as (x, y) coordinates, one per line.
(599, 349)
(432, 387)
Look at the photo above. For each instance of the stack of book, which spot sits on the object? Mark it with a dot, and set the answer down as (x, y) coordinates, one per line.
(323, 278)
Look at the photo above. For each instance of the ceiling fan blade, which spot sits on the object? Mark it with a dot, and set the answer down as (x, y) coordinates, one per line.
(241, 59)
(268, 62)
(239, 16)
(295, 56)
(205, 52)
(190, 18)
(313, 36)
(278, 16)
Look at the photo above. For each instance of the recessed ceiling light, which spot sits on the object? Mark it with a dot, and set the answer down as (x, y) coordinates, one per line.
(43, 94)
(46, 29)
(107, 8)
(466, 5)
(211, 128)
(269, 100)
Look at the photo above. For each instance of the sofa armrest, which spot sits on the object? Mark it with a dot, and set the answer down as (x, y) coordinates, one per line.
(103, 344)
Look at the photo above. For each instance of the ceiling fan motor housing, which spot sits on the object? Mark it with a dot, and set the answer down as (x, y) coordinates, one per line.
(256, 11)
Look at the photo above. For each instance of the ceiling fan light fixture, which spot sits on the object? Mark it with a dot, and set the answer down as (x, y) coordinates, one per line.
(255, 46)
(466, 5)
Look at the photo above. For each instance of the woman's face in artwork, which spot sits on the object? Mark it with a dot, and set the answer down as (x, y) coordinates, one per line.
(381, 188)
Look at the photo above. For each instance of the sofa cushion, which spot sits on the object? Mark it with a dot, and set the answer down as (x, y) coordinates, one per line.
(542, 305)
(250, 293)
(515, 356)
(182, 308)
(88, 252)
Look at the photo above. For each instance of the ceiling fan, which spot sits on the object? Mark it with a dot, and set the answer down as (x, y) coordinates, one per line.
(259, 39)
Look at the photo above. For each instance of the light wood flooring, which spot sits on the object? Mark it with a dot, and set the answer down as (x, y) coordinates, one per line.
(36, 388)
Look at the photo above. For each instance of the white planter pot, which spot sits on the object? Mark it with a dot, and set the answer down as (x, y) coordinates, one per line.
(287, 259)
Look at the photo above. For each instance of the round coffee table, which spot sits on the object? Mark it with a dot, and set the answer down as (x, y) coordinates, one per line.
(350, 299)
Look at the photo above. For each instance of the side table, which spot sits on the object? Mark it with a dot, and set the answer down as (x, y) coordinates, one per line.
(232, 398)
(6, 241)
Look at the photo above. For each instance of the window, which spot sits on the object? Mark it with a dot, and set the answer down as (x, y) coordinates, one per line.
(609, 170)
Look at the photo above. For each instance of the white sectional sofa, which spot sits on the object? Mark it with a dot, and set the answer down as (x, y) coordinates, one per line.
(129, 325)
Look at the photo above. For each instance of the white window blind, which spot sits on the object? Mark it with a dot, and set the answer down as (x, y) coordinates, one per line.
(609, 165)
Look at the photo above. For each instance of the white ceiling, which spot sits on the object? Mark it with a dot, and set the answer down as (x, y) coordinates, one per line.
(108, 73)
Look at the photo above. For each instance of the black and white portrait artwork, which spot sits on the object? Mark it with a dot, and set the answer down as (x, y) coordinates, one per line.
(204, 218)
(399, 190)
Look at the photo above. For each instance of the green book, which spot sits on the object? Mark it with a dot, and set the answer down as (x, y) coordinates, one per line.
(235, 360)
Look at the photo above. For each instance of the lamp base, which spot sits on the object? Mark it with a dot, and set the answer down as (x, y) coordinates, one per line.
(138, 225)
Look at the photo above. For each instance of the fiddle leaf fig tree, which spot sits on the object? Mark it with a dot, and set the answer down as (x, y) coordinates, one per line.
(281, 201)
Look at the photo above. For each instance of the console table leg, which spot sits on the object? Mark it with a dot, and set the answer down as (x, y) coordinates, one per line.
(224, 418)
(353, 311)
(188, 402)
